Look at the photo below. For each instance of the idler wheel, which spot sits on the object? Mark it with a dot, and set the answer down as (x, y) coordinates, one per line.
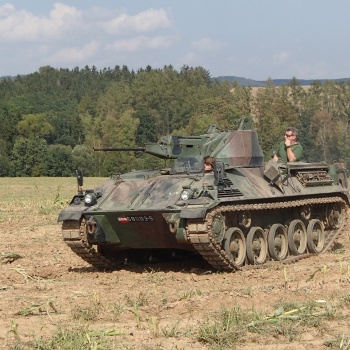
(218, 227)
(315, 236)
(278, 242)
(235, 245)
(297, 237)
(256, 246)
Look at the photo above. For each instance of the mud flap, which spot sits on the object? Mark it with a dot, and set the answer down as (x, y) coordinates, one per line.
(71, 213)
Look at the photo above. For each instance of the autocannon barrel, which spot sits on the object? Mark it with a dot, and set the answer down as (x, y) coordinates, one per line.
(119, 149)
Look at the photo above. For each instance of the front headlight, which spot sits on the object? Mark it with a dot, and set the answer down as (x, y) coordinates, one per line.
(90, 199)
(186, 194)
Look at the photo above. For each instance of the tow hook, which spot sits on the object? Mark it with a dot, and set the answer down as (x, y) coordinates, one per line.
(91, 226)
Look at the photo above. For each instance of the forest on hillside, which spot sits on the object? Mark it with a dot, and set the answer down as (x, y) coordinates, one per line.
(52, 119)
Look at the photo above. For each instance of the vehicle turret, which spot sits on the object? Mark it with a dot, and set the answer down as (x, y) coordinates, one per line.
(239, 148)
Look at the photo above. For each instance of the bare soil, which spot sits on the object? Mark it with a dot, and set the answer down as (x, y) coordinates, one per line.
(160, 305)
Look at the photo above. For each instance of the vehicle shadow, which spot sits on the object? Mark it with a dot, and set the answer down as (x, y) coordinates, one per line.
(187, 265)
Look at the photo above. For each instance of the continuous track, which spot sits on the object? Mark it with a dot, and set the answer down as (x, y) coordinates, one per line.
(202, 238)
(200, 235)
(74, 236)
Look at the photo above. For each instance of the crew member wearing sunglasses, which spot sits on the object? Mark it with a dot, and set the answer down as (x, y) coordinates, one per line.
(290, 150)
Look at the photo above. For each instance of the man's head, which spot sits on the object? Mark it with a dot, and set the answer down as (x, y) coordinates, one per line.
(291, 134)
(208, 162)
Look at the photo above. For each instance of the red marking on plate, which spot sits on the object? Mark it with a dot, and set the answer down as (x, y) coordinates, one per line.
(123, 220)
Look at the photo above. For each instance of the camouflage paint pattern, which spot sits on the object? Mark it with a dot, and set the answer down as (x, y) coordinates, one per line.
(143, 209)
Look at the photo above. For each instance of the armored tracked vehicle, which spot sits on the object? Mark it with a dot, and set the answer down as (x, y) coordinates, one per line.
(240, 213)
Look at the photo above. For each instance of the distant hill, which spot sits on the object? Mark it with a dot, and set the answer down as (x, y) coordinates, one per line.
(278, 82)
(253, 83)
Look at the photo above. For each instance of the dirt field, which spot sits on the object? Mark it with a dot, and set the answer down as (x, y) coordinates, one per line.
(51, 299)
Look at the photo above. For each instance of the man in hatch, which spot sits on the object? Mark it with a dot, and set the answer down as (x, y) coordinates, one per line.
(208, 163)
(290, 150)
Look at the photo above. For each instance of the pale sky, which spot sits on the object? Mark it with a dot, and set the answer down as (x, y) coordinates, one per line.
(256, 39)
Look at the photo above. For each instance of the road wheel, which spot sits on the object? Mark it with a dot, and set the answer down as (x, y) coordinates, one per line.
(315, 236)
(297, 237)
(235, 245)
(256, 246)
(278, 242)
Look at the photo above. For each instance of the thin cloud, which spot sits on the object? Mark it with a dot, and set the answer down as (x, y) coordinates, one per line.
(75, 54)
(282, 57)
(143, 22)
(189, 58)
(23, 25)
(139, 43)
(6, 10)
(207, 44)
(307, 70)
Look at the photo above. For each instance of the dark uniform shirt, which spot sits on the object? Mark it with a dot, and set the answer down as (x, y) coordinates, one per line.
(281, 152)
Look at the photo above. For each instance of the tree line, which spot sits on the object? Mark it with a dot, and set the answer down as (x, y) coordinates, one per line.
(52, 119)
